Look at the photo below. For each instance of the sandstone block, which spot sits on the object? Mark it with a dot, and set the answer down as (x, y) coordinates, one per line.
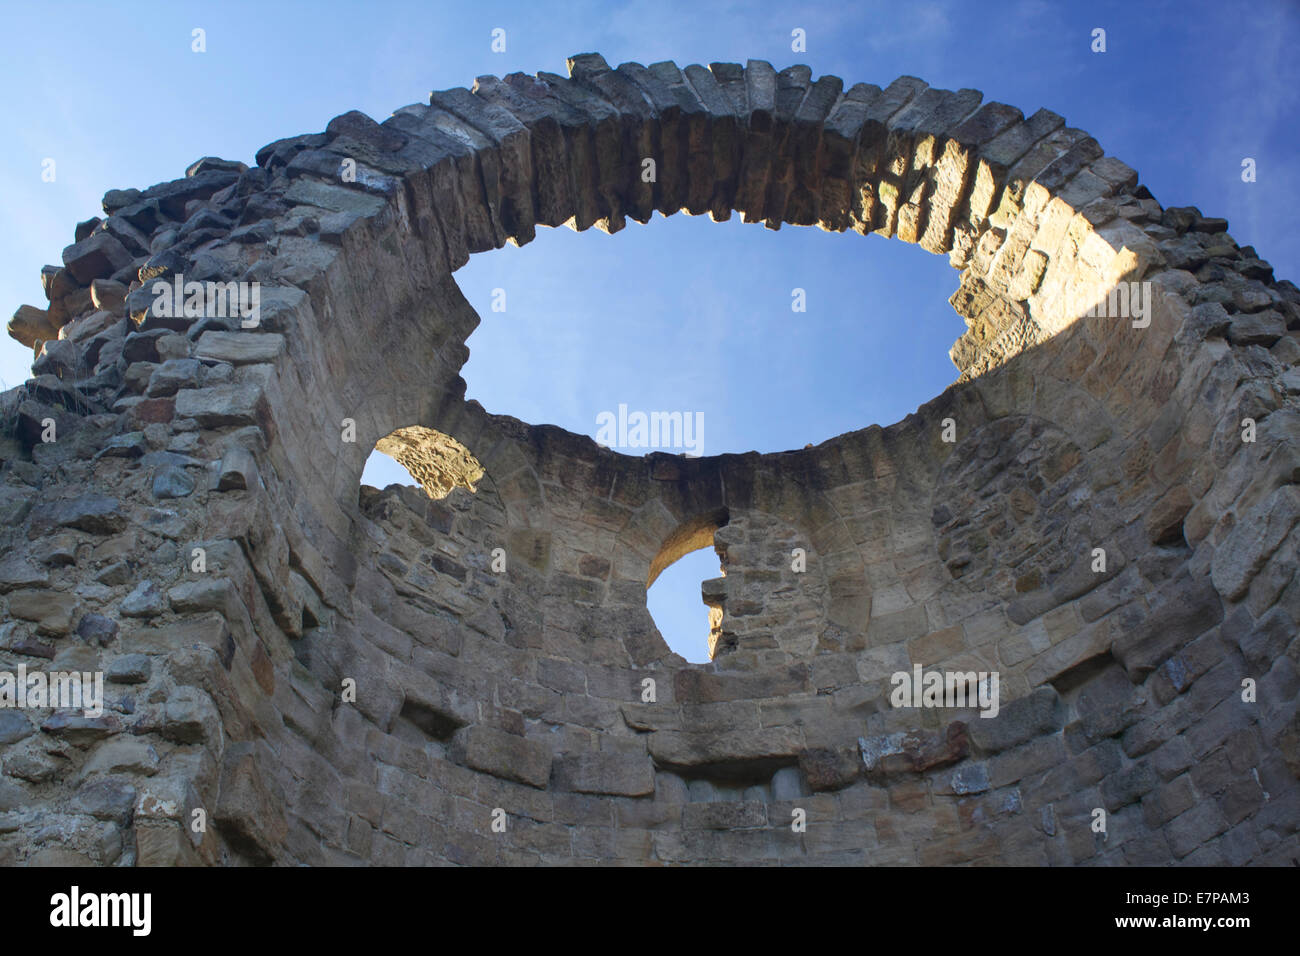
(129, 669)
(1194, 828)
(1018, 721)
(625, 775)
(190, 717)
(96, 257)
(108, 295)
(1260, 328)
(14, 726)
(1253, 540)
(724, 816)
(145, 600)
(507, 756)
(78, 729)
(53, 611)
(247, 812)
(17, 572)
(222, 405)
(239, 348)
(30, 325)
(93, 513)
(111, 799)
(675, 748)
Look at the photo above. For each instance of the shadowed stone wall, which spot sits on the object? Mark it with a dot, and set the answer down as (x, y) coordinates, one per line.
(340, 677)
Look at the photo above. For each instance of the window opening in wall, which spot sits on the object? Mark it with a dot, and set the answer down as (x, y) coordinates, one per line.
(422, 456)
(688, 625)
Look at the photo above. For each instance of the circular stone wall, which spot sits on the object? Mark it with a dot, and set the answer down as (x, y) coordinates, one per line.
(1101, 513)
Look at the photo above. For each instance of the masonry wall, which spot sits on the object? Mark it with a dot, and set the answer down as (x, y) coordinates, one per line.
(353, 678)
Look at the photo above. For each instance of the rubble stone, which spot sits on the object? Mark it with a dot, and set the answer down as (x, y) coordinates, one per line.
(341, 674)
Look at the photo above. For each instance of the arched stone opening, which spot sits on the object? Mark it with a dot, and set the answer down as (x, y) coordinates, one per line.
(692, 536)
(679, 603)
(436, 461)
(745, 338)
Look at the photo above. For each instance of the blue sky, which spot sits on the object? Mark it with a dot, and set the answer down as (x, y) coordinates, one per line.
(685, 314)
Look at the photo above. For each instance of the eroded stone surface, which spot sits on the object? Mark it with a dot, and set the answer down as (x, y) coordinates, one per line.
(1101, 511)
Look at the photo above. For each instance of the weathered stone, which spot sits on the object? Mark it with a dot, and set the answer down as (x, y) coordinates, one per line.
(247, 811)
(124, 754)
(1194, 828)
(1190, 608)
(238, 470)
(1018, 721)
(172, 481)
(95, 257)
(60, 358)
(144, 601)
(616, 774)
(239, 348)
(970, 778)
(1253, 540)
(30, 325)
(1261, 328)
(673, 748)
(79, 729)
(507, 756)
(358, 125)
(787, 785)
(142, 346)
(171, 197)
(108, 295)
(129, 669)
(86, 331)
(341, 676)
(116, 199)
(189, 717)
(94, 513)
(17, 572)
(207, 594)
(222, 405)
(97, 629)
(14, 726)
(112, 799)
(210, 163)
(173, 375)
(724, 816)
(53, 611)
(1164, 522)
(824, 769)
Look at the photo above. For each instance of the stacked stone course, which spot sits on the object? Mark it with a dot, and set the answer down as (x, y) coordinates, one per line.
(344, 678)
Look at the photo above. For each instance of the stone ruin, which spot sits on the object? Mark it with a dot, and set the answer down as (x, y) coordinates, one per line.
(300, 670)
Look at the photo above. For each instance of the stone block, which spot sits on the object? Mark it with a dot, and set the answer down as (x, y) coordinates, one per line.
(239, 348)
(1253, 540)
(627, 775)
(96, 257)
(724, 816)
(1019, 721)
(507, 756)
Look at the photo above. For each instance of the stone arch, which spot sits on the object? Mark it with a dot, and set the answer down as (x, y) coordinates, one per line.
(692, 535)
(531, 686)
(438, 462)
